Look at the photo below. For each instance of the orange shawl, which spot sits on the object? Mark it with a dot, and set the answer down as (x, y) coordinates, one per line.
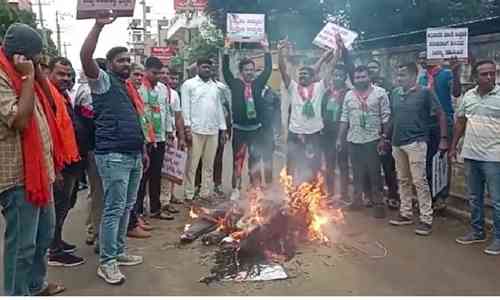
(36, 175)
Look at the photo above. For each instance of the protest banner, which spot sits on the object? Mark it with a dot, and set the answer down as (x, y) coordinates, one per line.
(165, 54)
(326, 37)
(446, 43)
(174, 164)
(183, 5)
(90, 9)
(439, 173)
(249, 28)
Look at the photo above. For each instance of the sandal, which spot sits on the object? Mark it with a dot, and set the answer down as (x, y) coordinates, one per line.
(171, 209)
(174, 200)
(163, 216)
(393, 203)
(52, 289)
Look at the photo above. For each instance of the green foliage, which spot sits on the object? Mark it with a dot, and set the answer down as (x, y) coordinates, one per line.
(9, 15)
(204, 43)
(302, 20)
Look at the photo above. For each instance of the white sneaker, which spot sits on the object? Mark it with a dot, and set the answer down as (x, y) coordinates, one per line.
(235, 195)
(129, 260)
(111, 274)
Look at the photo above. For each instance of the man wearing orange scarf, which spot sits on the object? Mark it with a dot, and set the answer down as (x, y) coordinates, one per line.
(61, 253)
(119, 149)
(31, 152)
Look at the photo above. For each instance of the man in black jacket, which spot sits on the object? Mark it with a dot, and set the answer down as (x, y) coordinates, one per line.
(246, 94)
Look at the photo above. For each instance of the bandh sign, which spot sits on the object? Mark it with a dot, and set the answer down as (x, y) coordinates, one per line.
(90, 9)
(249, 28)
(445, 43)
(174, 165)
(326, 38)
(165, 54)
(439, 173)
(182, 5)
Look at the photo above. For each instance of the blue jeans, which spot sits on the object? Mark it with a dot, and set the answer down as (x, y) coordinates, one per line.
(28, 233)
(480, 173)
(121, 175)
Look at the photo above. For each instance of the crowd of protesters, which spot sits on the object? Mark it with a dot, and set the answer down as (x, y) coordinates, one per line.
(118, 124)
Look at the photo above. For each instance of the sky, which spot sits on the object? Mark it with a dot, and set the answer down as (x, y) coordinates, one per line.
(74, 31)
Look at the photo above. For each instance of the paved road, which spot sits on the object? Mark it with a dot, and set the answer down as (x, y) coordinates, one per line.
(368, 258)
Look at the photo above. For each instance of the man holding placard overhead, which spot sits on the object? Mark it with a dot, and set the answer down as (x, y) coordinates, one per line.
(246, 105)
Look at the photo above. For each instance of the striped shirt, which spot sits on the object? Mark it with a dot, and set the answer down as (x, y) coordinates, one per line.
(482, 133)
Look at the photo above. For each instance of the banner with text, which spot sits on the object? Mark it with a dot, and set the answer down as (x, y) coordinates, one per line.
(182, 5)
(326, 38)
(90, 9)
(445, 43)
(249, 28)
(165, 54)
(439, 173)
(174, 164)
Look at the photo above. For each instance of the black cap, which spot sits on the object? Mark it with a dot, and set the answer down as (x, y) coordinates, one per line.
(22, 39)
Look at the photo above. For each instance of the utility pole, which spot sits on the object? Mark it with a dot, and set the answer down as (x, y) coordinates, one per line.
(58, 32)
(44, 32)
(66, 49)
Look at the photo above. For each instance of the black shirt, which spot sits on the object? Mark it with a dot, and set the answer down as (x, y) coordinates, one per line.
(238, 102)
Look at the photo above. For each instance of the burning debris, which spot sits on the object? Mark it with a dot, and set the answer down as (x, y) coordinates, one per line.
(266, 231)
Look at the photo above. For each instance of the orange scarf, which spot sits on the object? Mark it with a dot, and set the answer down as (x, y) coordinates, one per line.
(36, 175)
(138, 103)
(65, 125)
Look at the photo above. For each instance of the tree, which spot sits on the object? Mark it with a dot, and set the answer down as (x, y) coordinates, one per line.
(206, 42)
(302, 20)
(10, 15)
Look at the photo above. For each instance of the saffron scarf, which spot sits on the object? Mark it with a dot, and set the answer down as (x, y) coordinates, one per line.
(138, 103)
(362, 98)
(306, 94)
(36, 174)
(249, 99)
(65, 125)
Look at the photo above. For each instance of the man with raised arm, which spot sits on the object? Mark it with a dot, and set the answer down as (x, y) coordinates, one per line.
(246, 104)
(119, 149)
(306, 122)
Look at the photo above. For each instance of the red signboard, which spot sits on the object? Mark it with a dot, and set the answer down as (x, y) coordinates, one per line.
(165, 54)
(180, 5)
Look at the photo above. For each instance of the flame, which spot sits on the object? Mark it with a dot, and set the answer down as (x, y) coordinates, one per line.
(308, 201)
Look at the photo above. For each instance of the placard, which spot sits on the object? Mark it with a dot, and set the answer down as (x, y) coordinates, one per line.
(249, 28)
(174, 164)
(439, 173)
(445, 43)
(182, 5)
(165, 54)
(326, 37)
(90, 9)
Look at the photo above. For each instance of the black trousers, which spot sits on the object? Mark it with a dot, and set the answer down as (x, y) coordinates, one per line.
(243, 142)
(365, 162)
(390, 175)
(64, 200)
(152, 179)
(333, 159)
(304, 156)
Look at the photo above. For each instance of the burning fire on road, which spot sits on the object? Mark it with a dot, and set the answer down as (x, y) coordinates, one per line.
(266, 228)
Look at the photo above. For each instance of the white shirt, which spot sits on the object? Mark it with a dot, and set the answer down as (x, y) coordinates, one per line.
(202, 106)
(175, 106)
(299, 123)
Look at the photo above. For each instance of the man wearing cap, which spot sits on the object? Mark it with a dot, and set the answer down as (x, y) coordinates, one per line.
(31, 152)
